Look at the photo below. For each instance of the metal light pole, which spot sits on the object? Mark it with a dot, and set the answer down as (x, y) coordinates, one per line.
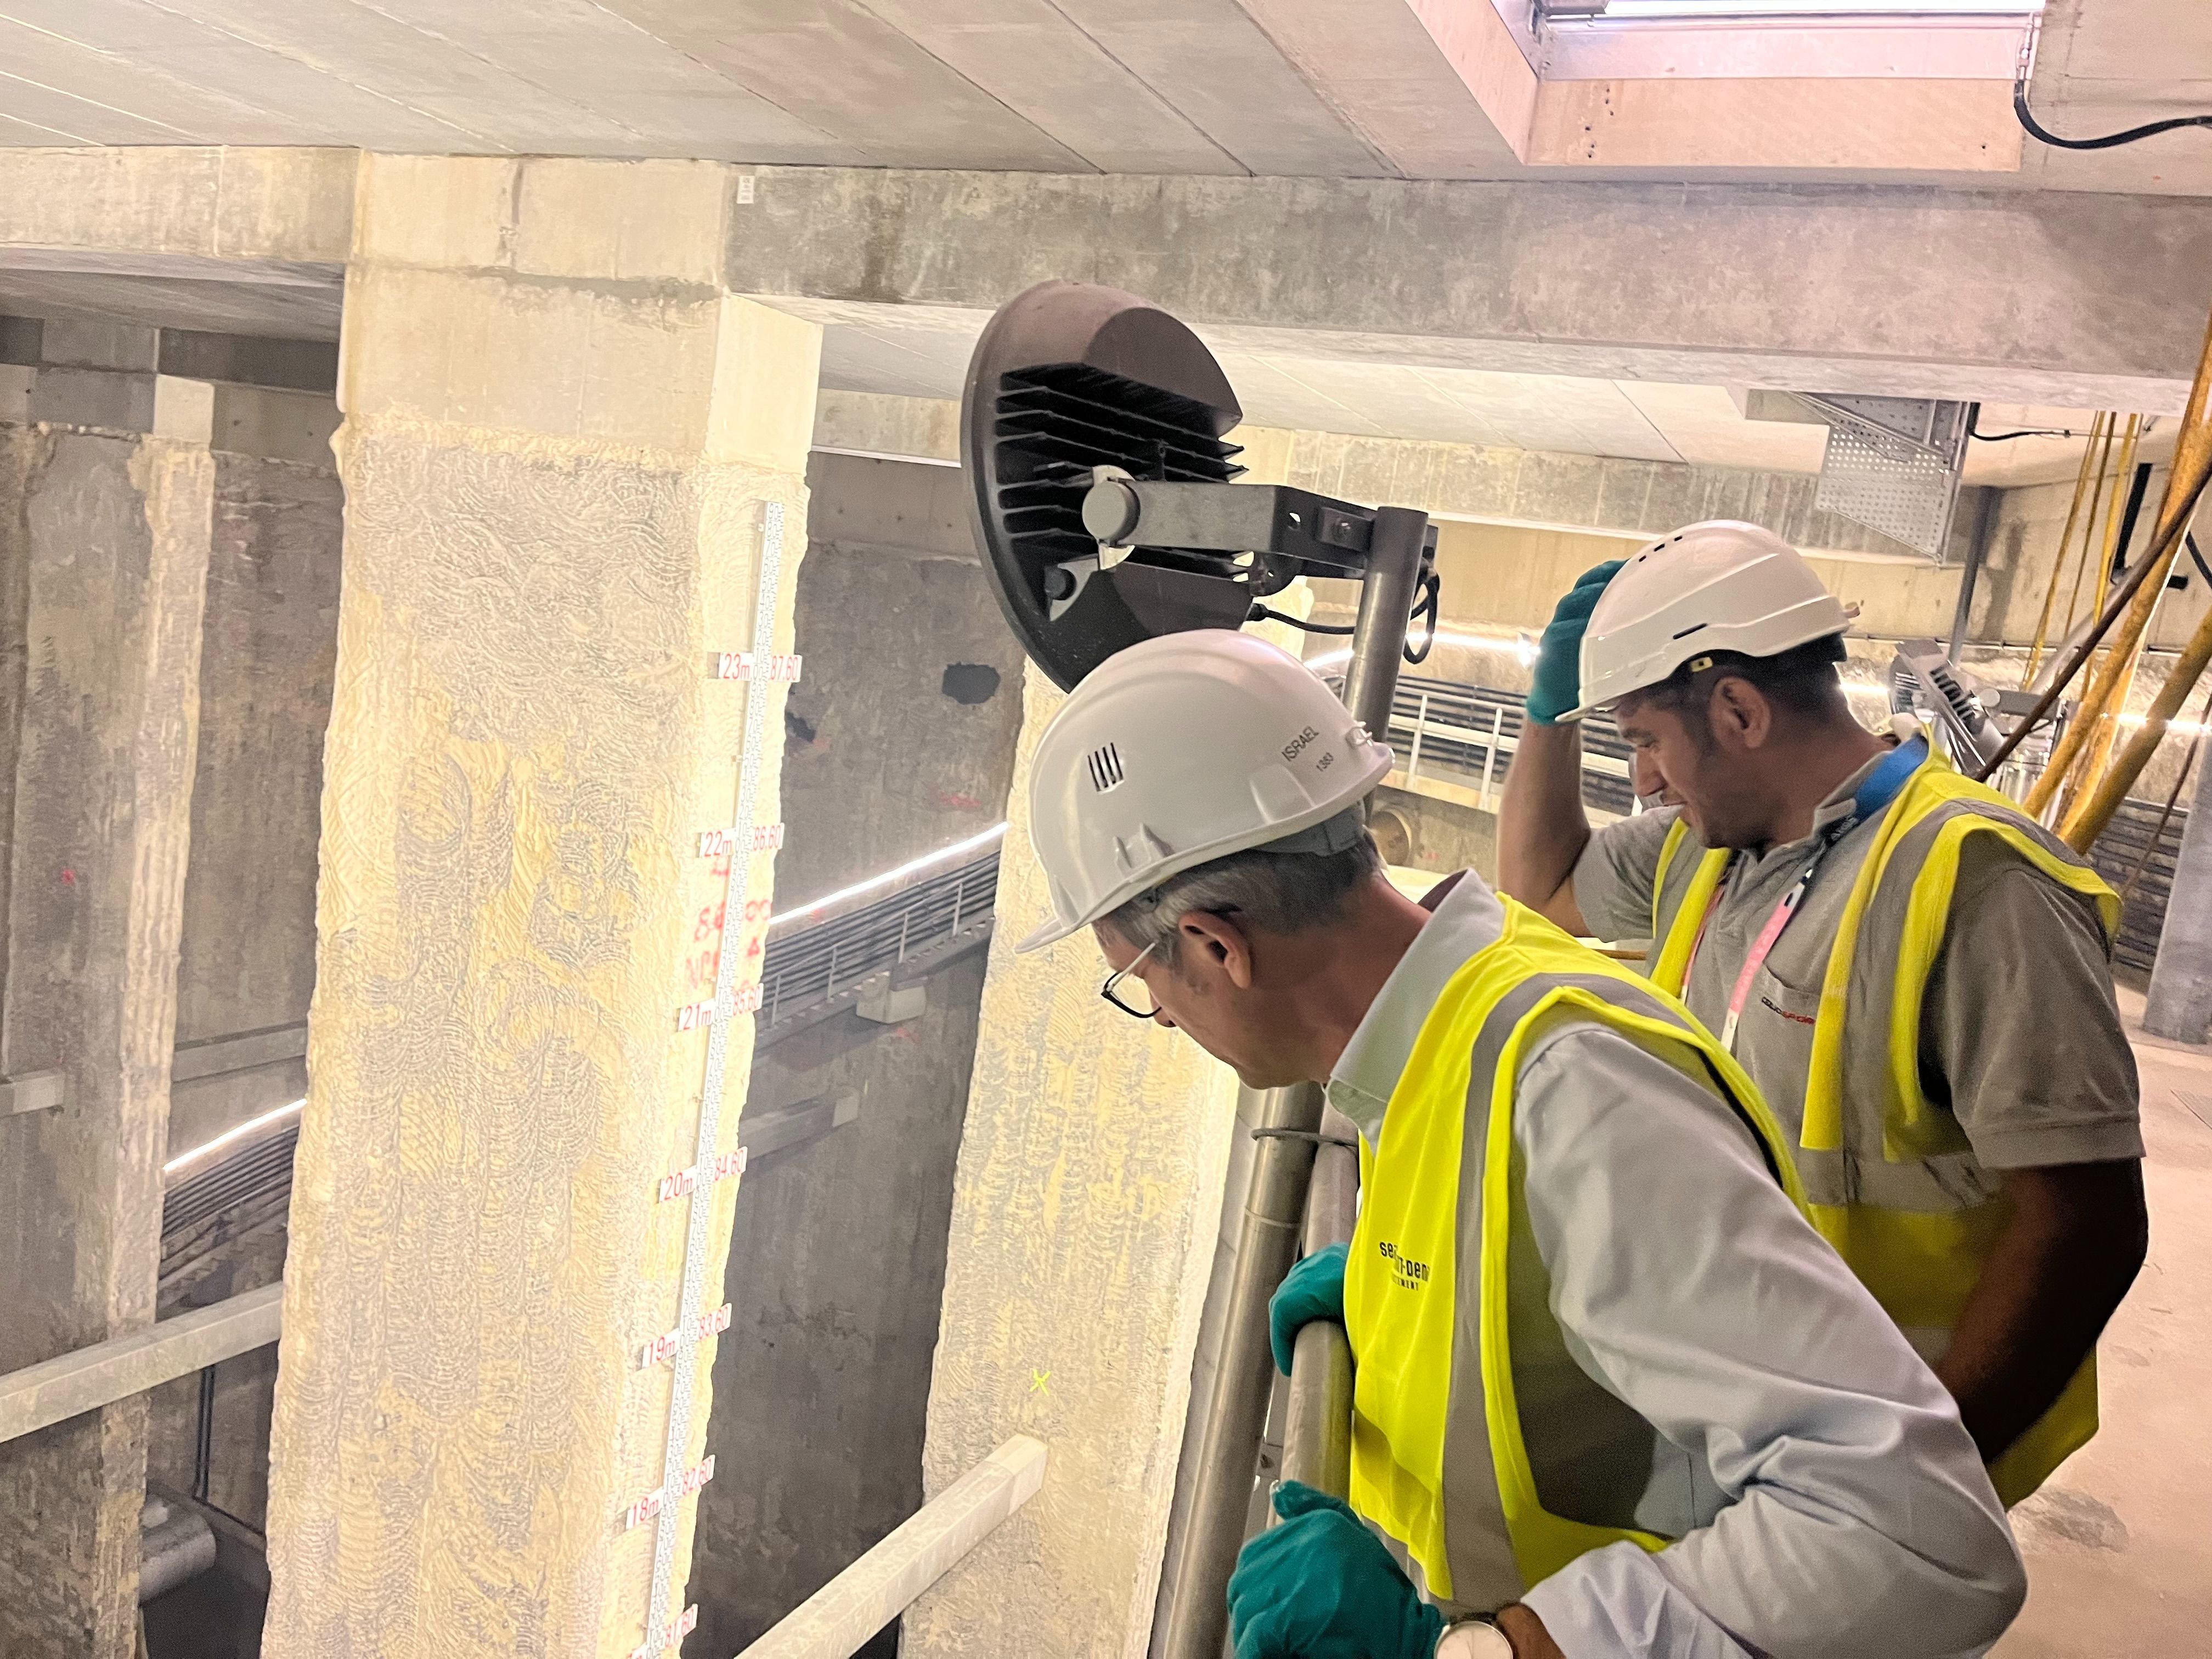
(1277, 1218)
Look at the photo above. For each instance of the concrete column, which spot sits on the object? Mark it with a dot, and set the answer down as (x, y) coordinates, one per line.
(821, 1383)
(1082, 1219)
(1085, 1213)
(104, 539)
(564, 446)
(2179, 1005)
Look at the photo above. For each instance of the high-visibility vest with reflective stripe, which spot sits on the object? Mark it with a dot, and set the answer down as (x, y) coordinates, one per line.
(1464, 1384)
(1891, 1179)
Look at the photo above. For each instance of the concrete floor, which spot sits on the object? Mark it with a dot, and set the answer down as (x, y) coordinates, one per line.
(2119, 1556)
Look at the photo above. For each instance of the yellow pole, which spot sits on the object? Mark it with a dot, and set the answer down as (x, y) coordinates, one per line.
(2184, 484)
(2065, 540)
(2089, 524)
(2112, 789)
(2062, 759)
(2098, 709)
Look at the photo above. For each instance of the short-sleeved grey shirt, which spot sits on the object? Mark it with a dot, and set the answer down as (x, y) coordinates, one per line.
(2020, 1033)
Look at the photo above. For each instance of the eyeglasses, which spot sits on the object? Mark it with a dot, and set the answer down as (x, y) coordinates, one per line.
(1142, 1004)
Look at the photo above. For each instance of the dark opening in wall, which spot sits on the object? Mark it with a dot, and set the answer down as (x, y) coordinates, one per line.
(970, 682)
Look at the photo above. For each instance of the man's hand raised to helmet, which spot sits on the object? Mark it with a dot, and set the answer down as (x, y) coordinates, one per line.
(1557, 684)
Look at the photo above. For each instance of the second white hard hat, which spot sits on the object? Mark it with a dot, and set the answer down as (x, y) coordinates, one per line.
(1182, 750)
(1719, 586)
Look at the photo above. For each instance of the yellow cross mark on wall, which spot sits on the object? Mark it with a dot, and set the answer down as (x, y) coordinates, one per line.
(1037, 1380)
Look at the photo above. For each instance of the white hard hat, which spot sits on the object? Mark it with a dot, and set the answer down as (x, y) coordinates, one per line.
(1181, 749)
(1719, 586)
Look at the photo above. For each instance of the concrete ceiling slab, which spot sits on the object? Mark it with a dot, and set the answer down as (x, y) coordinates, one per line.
(1342, 88)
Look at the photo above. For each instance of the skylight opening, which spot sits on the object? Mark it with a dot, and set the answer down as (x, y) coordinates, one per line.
(1625, 11)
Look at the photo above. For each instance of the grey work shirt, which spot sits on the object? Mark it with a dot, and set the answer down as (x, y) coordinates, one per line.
(1830, 1504)
(2020, 1034)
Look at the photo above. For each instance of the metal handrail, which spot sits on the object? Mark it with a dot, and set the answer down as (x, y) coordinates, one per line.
(803, 970)
(835, 1621)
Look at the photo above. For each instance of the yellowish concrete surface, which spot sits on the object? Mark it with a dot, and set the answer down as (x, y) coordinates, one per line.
(2119, 1557)
(1089, 1189)
(1758, 121)
(553, 523)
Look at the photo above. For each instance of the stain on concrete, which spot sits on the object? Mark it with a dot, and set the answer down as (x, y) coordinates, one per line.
(2056, 1519)
(970, 682)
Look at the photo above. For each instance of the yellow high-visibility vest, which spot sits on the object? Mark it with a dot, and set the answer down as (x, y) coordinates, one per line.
(1873, 1148)
(1439, 1456)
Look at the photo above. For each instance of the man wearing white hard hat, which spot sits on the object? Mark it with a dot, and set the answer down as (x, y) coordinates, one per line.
(1614, 1397)
(1915, 973)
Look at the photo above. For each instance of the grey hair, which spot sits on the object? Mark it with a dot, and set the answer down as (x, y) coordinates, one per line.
(1277, 892)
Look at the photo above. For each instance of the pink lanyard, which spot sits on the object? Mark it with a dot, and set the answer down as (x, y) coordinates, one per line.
(1761, 947)
(1876, 792)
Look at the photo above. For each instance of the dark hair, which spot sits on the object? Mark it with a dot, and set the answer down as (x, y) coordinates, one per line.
(1279, 892)
(1801, 680)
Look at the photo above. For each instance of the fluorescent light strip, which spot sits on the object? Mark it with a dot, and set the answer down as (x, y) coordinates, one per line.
(889, 875)
(230, 1135)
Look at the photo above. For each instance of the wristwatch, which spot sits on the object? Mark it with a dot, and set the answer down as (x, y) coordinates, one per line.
(1473, 1638)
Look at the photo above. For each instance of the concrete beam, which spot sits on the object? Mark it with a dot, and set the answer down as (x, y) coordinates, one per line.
(276, 203)
(73, 1383)
(1527, 488)
(2007, 297)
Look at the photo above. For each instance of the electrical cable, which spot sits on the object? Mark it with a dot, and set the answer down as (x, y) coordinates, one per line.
(2037, 131)
(2189, 538)
(1974, 431)
(1431, 601)
(1431, 590)
(1262, 613)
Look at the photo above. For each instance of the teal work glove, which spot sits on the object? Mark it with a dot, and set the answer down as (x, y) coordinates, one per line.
(1559, 682)
(1322, 1586)
(1312, 1289)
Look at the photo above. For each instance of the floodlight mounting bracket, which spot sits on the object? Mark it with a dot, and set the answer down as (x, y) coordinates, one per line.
(1101, 485)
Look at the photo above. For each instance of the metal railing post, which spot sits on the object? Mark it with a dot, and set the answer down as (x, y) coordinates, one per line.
(1317, 1440)
(1420, 731)
(1229, 1449)
(1490, 749)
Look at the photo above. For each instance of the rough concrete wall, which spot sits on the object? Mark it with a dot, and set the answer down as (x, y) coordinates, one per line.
(1446, 835)
(1088, 1195)
(835, 1272)
(900, 739)
(112, 534)
(244, 1388)
(248, 958)
(20, 448)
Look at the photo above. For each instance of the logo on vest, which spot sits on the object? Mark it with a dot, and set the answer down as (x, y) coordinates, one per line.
(1410, 1274)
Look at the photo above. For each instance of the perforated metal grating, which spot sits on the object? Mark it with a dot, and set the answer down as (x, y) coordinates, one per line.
(1887, 483)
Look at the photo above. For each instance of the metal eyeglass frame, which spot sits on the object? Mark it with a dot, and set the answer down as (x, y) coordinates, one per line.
(1114, 979)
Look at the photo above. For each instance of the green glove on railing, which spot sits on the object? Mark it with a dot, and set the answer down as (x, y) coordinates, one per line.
(1322, 1586)
(1558, 682)
(1312, 1289)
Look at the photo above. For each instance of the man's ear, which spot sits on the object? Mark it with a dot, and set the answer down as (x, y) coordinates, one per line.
(1219, 944)
(1740, 715)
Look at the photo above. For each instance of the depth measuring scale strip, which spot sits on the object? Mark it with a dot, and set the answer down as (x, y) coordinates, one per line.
(657, 1628)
